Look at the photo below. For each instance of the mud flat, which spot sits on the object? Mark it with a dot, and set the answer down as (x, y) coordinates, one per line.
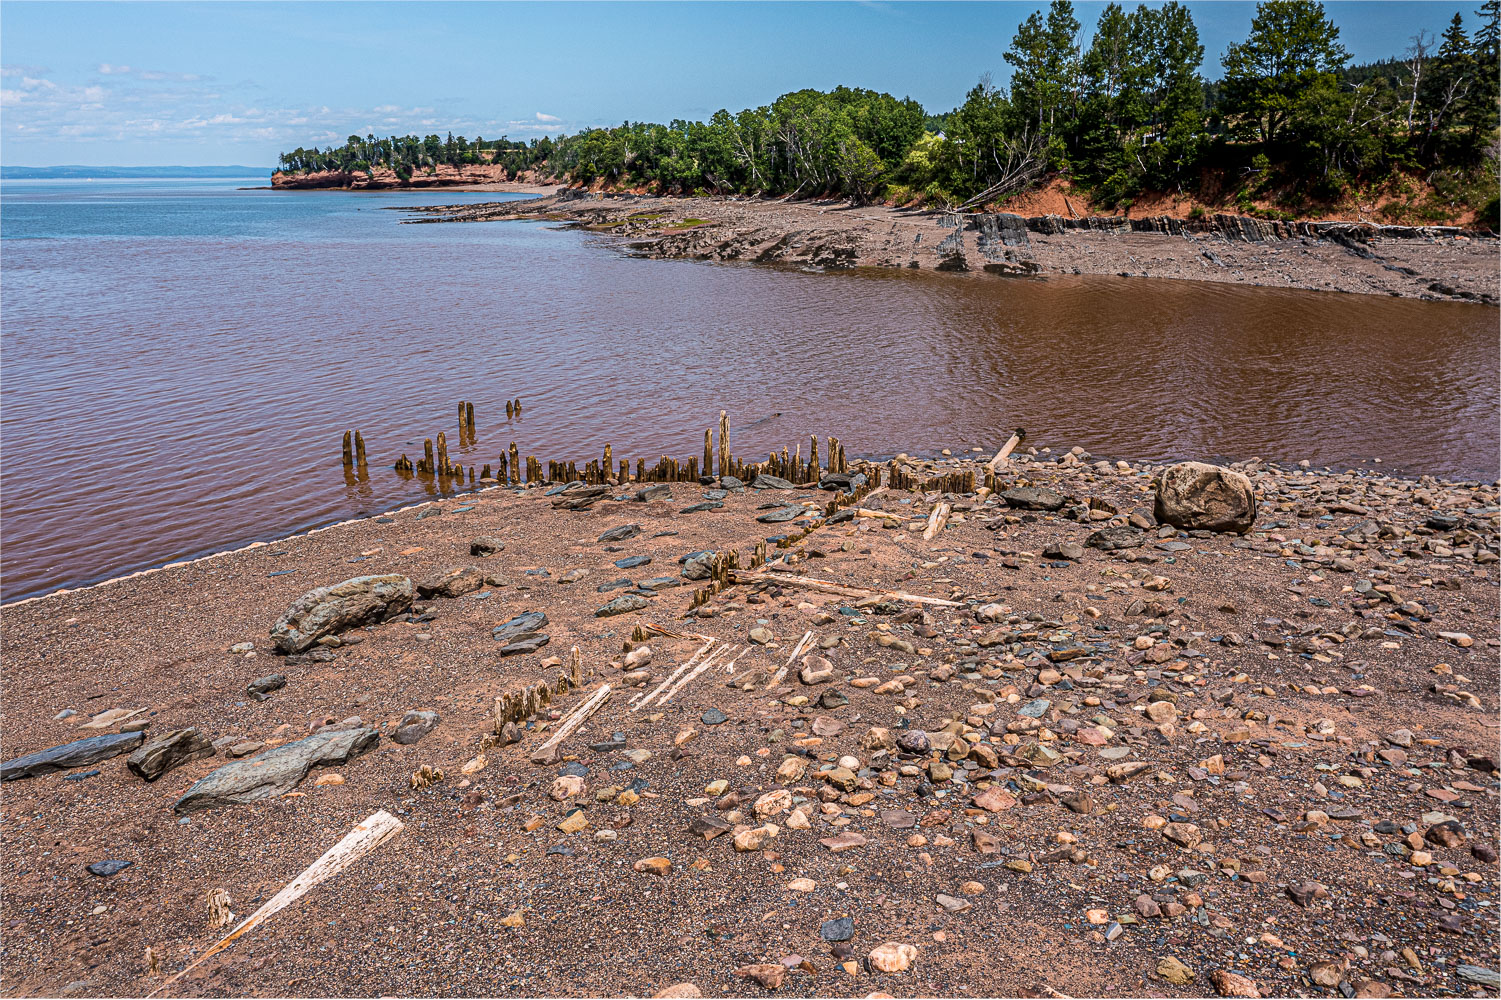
(1432, 262)
(1053, 745)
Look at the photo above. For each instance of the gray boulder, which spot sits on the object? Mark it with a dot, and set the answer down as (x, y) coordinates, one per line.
(413, 726)
(765, 481)
(621, 533)
(172, 750)
(486, 545)
(329, 610)
(70, 755)
(455, 581)
(1199, 496)
(277, 771)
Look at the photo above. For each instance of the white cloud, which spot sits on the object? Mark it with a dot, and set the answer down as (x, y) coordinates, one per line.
(108, 69)
(547, 118)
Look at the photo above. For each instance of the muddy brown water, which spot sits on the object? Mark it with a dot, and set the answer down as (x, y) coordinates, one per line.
(171, 389)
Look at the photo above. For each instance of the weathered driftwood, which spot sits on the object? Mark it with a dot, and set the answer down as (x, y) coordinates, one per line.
(364, 838)
(937, 520)
(1006, 449)
(887, 515)
(839, 589)
(577, 718)
(776, 678)
(729, 668)
(640, 702)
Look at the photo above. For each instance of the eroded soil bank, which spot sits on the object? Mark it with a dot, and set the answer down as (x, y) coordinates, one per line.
(1433, 263)
(1070, 770)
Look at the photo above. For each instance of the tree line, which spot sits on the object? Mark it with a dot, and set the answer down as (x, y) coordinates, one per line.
(1128, 113)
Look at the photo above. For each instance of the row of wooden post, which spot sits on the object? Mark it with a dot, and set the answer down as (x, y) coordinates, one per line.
(602, 470)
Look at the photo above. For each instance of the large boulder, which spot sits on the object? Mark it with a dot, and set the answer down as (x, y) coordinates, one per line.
(277, 771)
(70, 755)
(329, 610)
(1199, 496)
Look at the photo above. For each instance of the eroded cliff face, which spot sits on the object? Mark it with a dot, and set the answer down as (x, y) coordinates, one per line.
(383, 177)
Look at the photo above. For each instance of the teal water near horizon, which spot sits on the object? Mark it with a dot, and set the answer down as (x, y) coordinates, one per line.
(180, 358)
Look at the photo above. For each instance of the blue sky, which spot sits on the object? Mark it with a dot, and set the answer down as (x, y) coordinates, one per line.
(211, 83)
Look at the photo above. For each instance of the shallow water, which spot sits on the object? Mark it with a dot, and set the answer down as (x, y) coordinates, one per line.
(180, 360)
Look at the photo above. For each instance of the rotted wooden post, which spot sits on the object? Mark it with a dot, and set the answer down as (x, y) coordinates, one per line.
(625, 471)
(469, 418)
(427, 462)
(348, 457)
(607, 464)
(359, 450)
(724, 443)
(813, 472)
(708, 451)
(510, 410)
(443, 466)
(503, 471)
(516, 471)
(518, 406)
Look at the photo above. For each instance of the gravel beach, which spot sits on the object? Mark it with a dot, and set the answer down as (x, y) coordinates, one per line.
(1057, 748)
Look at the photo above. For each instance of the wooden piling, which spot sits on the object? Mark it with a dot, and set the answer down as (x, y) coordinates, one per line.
(607, 464)
(348, 458)
(510, 410)
(427, 466)
(443, 466)
(724, 443)
(469, 418)
(359, 450)
(516, 474)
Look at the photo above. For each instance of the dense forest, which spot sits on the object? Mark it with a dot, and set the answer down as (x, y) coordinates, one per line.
(1289, 122)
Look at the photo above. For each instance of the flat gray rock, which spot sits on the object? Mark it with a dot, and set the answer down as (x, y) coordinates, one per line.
(70, 755)
(166, 752)
(1115, 539)
(1032, 498)
(260, 689)
(764, 481)
(328, 610)
(621, 605)
(527, 642)
(621, 533)
(277, 771)
(522, 624)
(782, 514)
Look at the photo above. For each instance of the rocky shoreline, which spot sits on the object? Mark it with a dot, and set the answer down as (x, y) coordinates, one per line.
(1095, 728)
(1442, 263)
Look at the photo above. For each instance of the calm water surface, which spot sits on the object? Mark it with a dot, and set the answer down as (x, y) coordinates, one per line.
(180, 360)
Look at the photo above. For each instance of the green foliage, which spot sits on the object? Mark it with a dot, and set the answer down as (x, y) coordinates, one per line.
(408, 153)
(1128, 113)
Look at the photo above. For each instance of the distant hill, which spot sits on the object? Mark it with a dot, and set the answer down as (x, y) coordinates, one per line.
(79, 172)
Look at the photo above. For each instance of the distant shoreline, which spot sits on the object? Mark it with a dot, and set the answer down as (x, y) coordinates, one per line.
(1437, 263)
